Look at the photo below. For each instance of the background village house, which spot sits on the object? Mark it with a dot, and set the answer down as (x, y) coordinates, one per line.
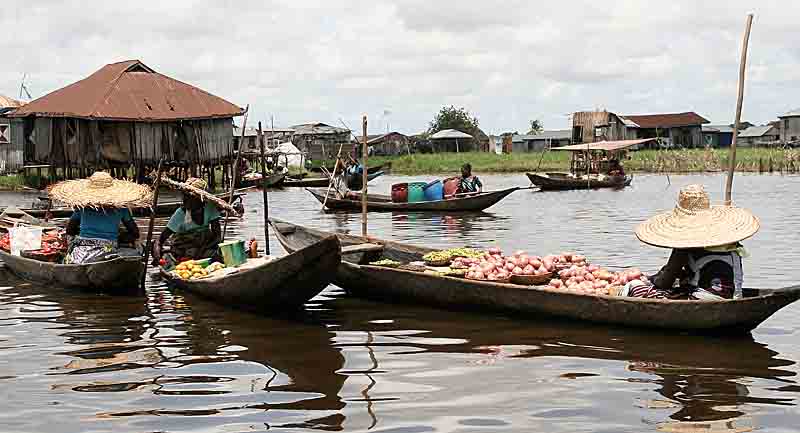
(320, 141)
(541, 141)
(11, 154)
(789, 126)
(759, 136)
(389, 144)
(674, 129)
(127, 115)
(594, 126)
(451, 140)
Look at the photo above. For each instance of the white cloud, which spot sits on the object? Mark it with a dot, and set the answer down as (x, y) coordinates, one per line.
(506, 61)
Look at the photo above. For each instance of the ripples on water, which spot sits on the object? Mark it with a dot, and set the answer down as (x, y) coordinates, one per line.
(171, 362)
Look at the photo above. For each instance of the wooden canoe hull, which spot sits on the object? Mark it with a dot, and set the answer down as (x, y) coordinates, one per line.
(285, 283)
(393, 285)
(474, 203)
(121, 275)
(314, 182)
(274, 180)
(562, 182)
(163, 209)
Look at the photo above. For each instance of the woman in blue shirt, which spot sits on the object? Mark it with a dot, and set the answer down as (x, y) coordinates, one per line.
(101, 204)
(194, 230)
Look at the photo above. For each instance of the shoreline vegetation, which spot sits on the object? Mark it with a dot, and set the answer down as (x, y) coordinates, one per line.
(750, 160)
(753, 160)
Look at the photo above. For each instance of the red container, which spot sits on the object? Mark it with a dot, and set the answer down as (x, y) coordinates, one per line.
(400, 193)
(451, 186)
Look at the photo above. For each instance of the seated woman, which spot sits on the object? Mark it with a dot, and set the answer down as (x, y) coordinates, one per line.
(101, 204)
(193, 231)
(469, 183)
(706, 259)
(615, 168)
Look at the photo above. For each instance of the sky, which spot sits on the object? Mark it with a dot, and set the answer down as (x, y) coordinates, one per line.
(400, 61)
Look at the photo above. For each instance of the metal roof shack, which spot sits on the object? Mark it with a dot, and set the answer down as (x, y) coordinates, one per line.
(669, 120)
(127, 115)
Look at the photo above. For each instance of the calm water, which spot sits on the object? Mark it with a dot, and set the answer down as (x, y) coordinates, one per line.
(171, 362)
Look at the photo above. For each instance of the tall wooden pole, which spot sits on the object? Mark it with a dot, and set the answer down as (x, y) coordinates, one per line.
(235, 169)
(364, 155)
(739, 99)
(264, 188)
(149, 244)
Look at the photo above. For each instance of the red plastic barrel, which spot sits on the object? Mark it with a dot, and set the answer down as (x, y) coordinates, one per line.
(451, 186)
(400, 193)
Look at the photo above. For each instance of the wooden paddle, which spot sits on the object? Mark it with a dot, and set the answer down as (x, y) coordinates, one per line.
(149, 243)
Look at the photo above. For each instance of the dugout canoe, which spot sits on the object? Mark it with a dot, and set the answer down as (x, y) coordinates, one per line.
(280, 284)
(564, 181)
(274, 180)
(163, 209)
(378, 202)
(120, 275)
(393, 285)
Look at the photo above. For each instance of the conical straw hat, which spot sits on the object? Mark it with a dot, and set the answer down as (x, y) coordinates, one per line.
(101, 190)
(694, 223)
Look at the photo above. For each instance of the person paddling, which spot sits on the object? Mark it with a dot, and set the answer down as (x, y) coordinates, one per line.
(100, 204)
(706, 259)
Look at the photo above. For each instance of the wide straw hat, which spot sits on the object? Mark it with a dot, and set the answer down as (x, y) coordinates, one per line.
(695, 223)
(101, 190)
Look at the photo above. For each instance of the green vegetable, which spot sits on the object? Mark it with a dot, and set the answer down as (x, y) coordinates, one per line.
(386, 263)
(444, 255)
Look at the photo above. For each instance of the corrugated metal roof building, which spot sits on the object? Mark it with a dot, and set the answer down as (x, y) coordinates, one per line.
(126, 114)
(321, 141)
(679, 129)
(10, 154)
(541, 141)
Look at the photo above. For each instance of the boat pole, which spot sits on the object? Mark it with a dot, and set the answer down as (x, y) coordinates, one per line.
(235, 170)
(264, 189)
(149, 244)
(364, 155)
(739, 100)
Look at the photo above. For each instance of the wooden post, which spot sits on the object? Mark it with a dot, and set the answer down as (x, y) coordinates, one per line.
(364, 155)
(739, 100)
(234, 170)
(264, 188)
(149, 244)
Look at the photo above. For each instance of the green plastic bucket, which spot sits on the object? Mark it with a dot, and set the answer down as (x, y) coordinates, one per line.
(416, 191)
(233, 253)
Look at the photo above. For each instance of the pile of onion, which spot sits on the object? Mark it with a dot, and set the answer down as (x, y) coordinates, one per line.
(494, 266)
(593, 280)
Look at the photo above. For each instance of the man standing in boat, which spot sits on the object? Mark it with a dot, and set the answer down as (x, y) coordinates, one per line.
(469, 183)
(615, 168)
(706, 259)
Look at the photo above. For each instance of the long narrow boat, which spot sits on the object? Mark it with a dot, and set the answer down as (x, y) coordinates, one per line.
(391, 285)
(320, 182)
(564, 181)
(120, 275)
(274, 180)
(166, 208)
(276, 284)
(377, 202)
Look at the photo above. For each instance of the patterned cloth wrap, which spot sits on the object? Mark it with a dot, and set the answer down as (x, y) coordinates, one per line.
(90, 250)
(199, 244)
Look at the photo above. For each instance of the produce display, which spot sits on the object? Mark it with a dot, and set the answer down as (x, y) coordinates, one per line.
(593, 280)
(53, 243)
(448, 255)
(494, 266)
(196, 269)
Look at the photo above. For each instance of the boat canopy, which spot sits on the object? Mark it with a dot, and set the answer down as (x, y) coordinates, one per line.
(608, 146)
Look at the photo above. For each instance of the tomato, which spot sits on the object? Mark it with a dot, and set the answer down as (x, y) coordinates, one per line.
(162, 262)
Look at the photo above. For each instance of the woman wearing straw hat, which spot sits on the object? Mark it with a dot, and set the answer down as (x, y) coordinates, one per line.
(194, 230)
(101, 203)
(706, 258)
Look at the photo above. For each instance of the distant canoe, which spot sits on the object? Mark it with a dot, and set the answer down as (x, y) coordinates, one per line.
(274, 180)
(164, 209)
(564, 181)
(377, 202)
(120, 275)
(314, 182)
(281, 284)
(392, 285)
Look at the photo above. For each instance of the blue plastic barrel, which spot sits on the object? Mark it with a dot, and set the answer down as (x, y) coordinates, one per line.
(434, 191)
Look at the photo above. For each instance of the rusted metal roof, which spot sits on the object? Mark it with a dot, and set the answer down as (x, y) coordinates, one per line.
(130, 90)
(669, 120)
(6, 102)
(608, 146)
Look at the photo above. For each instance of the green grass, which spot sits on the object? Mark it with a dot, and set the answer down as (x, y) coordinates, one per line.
(656, 161)
(12, 182)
